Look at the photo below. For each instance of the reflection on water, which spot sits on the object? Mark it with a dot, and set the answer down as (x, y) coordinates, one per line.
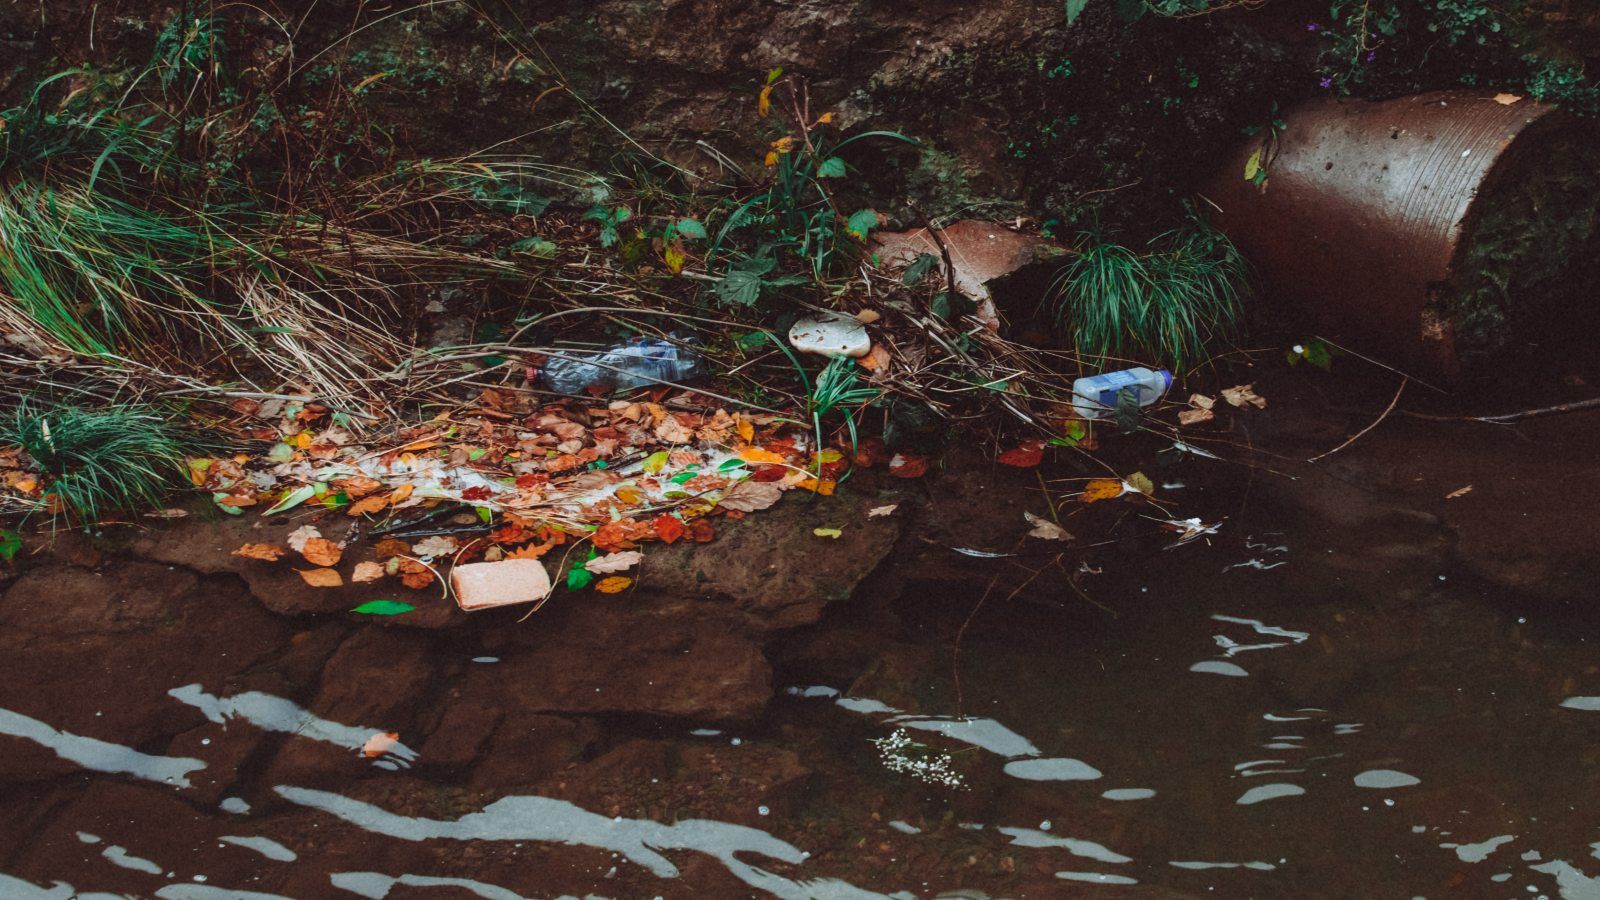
(98, 755)
(271, 713)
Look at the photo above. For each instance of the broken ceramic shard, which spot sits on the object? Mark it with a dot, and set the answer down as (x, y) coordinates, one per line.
(831, 334)
(504, 583)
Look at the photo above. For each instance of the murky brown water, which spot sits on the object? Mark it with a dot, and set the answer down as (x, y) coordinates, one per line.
(1289, 711)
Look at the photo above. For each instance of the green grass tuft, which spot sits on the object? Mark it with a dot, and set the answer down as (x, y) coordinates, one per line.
(1171, 303)
(99, 461)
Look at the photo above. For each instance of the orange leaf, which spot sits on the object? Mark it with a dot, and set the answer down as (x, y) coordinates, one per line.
(668, 528)
(823, 487)
(357, 486)
(758, 455)
(266, 552)
(321, 552)
(746, 428)
(905, 465)
(1102, 489)
(401, 494)
(366, 571)
(531, 551)
(379, 744)
(321, 577)
(616, 584)
(613, 536)
(764, 102)
(366, 506)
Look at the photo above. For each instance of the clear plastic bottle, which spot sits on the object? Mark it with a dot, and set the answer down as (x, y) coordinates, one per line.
(633, 364)
(1095, 397)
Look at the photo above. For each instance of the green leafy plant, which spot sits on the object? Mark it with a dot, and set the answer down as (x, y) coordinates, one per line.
(98, 461)
(1170, 302)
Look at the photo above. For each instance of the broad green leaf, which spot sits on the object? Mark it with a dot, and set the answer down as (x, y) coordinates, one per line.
(10, 543)
(832, 167)
(692, 228)
(919, 268)
(217, 499)
(739, 288)
(383, 608)
(485, 514)
(861, 222)
(578, 578)
(1075, 9)
(292, 499)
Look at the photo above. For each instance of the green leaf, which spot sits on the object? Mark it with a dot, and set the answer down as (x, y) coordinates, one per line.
(217, 499)
(534, 246)
(1252, 166)
(292, 499)
(1127, 411)
(940, 305)
(383, 608)
(918, 269)
(832, 167)
(655, 462)
(739, 288)
(578, 578)
(861, 222)
(692, 228)
(10, 543)
(485, 514)
(1130, 10)
(1075, 9)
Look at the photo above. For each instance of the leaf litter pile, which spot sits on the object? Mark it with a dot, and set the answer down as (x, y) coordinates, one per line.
(509, 478)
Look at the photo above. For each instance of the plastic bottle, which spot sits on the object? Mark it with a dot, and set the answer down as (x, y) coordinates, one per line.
(1095, 397)
(635, 363)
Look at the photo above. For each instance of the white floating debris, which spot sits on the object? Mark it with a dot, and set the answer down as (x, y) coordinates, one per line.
(831, 334)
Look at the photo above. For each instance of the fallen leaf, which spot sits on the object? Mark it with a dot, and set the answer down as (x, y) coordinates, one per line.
(745, 428)
(700, 532)
(613, 537)
(357, 486)
(321, 577)
(367, 506)
(614, 562)
(904, 465)
(1141, 483)
(1506, 99)
(1201, 401)
(758, 455)
(1459, 492)
(668, 528)
(868, 316)
(751, 496)
(832, 533)
(880, 511)
(414, 574)
(1026, 456)
(824, 487)
(265, 552)
(531, 551)
(1195, 416)
(1241, 395)
(366, 571)
(383, 608)
(1046, 529)
(616, 584)
(435, 545)
(320, 551)
(673, 432)
(401, 494)
(1102, 489)
(876, 360)
(298, 537)
(391, 547)
(380, 743)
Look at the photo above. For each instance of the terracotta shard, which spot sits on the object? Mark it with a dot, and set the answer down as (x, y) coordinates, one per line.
(505, 583)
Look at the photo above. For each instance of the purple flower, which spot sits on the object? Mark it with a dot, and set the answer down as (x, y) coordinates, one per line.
(1327, 81)
(1312, 26)
(1372, 55)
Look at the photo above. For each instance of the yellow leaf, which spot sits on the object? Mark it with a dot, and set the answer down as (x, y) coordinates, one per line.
(833, 533)
(764, 102)
(1102, 489)
(1252, 166)
(771, 160)
(630, 495)
(825, 119)
(674, 259)
(616, 584)
(321, 577)
(746, 429)
(655, 462)
(1141, 483)
(758, 455)
(302, 440)
(829, 455)
(824, 487)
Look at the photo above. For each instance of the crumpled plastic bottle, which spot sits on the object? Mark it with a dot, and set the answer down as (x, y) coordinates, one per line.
(635, 363)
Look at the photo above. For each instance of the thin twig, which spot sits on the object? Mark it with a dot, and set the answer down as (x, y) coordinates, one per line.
(1375, 422)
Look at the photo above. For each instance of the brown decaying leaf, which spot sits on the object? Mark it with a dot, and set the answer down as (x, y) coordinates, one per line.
(1195, 416)
(751, 496)
(1045, 529)
(391, 547)
(367, 506)
(321, 552)
(1242, 395)
(265, 552)
(321, 578)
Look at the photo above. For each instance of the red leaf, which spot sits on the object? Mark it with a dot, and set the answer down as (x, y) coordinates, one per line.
(1026, 456)
(872, 452)
(668, 528)
(700, 531)
(478, 492)
(906, 465)
(769, 473)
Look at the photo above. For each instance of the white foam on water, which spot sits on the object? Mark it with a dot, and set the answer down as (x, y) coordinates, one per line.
(98, 755)
(207, 892)
(1129, 794)
(1052, 769)
(1477, 853)
(1218, 667)
(1590, 704)
(1571, 882)
(1096, 877)
(1195, 864)
(984, 733)
(376, 885)
(119, 856)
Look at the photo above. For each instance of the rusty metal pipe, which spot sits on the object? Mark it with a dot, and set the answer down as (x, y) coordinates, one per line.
(1368, 208)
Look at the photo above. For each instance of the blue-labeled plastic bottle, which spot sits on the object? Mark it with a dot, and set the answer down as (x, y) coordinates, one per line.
(1095, 397)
